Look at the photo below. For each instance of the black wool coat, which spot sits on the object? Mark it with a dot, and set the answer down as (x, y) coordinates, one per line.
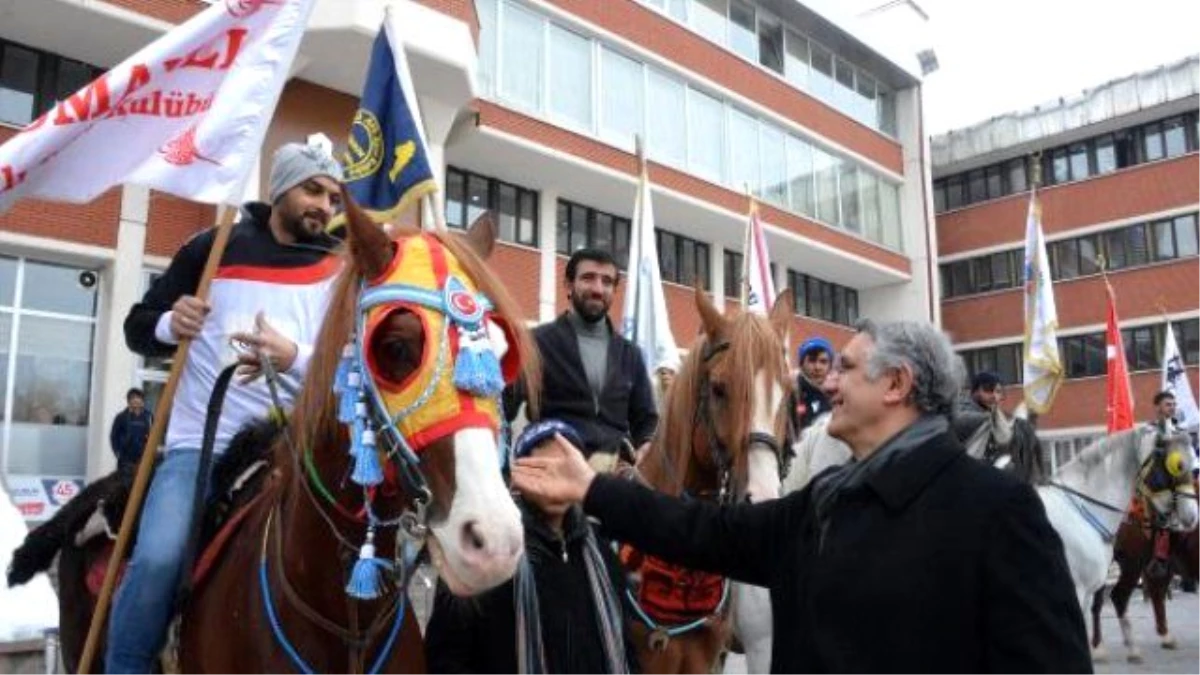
(937, 564)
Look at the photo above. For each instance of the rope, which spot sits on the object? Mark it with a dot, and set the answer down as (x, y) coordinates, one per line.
(679, 629)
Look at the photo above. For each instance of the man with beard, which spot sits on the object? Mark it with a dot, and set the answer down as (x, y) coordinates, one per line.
(593, 378)
(270, 294)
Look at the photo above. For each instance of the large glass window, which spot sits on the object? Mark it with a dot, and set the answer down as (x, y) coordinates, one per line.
(822, 72)
(848, 183)
(743, 151)
(868, 193)
(770, 43)
(487, 11)
(1079, 161)
(1106, 155)
(521, 45)
(18, 84)
(889, 215)
(1185, 236)
(800, 176)
(708, 19)
(706, 136)
(743, 38)
(570, 85)
(1174, 137)
(667, 106)
(621, 95)
(585, 227)
(774, 166)
(826, 167)
(796, 60)
(469, 195)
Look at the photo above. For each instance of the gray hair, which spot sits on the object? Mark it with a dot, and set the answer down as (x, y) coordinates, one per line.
(937, 370)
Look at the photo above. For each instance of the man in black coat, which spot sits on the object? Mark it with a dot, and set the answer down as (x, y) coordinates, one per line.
(130, 428)
(911, 558)
(592, 377)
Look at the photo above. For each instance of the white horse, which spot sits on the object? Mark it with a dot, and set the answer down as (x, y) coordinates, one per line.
(1088, 498)
(814, 452)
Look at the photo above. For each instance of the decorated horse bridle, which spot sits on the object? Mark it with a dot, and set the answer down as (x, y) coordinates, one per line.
(720, 452)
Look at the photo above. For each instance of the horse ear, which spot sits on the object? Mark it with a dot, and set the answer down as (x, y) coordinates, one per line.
(710, 318)
(781, 314)
(481, 236)
(370, 246)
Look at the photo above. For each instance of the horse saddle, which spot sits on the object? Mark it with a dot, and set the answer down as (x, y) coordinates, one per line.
(236, 484)
(670, 593)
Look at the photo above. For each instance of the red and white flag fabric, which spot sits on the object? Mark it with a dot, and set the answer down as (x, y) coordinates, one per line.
(758, 287)
(186, 114)
(1120, 395)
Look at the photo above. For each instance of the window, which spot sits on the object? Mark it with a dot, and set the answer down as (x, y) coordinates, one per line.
(1060, 166)
(487, 11)
(1004, 269)
(621, 95)
(1115, 244)
(823, 300)
(1016, 175)
(1142, 347)
(848, 182)
(1003, 360)
(868, 193)
(983, 274)
(743, 38)
(774, 165)
(826, 168)
(955, 193)
(18, 84)
(977, 186)
(706, 136)
(1064, 256)
(995, 182)
(521, 55)
(469, 195)
(1187, 334)
(770, 44)
(1106, 155)
(667, 137)
(733, 274)
(584, 227)
(1089, 255)
(1083, 355)
(822, 72)
(800, 176)
(1152, 142)
(708, 19)
(1174, 137)
(1162, 238)
(889, 215)
(865, 110)
(683, 260)
(1079, 161)
(1186, 236)
(796, 60)
(570, 95)
(743, 151)
(843, 94)
(939, 196)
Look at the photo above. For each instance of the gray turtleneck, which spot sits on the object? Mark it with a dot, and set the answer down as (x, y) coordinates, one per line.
(593, 350)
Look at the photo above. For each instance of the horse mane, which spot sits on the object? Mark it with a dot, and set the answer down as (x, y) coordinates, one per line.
(1099, 449)
(314, 419)
(752, 341)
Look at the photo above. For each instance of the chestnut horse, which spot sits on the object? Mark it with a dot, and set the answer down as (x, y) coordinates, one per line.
(402, 318)
(718, 439)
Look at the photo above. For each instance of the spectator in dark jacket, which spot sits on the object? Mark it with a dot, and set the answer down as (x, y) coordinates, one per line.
(911, 558)
(592, 377)
(815, 357)
(575, 580)
(130, 428)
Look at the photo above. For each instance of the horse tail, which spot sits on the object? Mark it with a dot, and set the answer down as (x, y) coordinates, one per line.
(37, 552)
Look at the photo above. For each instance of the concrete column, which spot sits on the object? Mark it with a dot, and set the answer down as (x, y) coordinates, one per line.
(548, 288)
(716, 266)
(116, 365)
(780, 275)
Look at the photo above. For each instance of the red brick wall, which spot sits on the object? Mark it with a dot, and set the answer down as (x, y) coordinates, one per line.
(652, 30)
(173, 221)
(1129, 193)
(174, 11)
(1081, 403)
(1079, 302)
(519, 271)
(592, 150)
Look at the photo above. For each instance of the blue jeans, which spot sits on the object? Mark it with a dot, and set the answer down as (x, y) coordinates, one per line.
(143, 604)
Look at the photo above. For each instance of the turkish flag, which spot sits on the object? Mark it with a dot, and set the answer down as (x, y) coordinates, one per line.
(1120, 395)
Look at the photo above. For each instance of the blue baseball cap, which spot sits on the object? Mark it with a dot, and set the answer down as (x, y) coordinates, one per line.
(813, 344)
(538, 432)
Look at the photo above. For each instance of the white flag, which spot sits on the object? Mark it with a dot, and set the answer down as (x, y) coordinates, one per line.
(758, 286)
(186, 114)
(1043, 366)
(645, 322)
(1175, 380)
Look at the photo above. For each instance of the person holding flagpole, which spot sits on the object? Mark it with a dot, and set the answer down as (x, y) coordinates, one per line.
(271, 292)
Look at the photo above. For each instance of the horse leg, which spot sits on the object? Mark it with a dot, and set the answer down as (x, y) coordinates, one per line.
(667, 660)
(1098, 654)
(1157, 588)
(1131, 568)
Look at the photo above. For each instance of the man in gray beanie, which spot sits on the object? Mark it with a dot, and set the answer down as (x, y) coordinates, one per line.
(269, 294)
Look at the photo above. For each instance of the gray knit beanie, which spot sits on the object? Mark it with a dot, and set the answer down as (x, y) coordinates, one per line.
(295, 163)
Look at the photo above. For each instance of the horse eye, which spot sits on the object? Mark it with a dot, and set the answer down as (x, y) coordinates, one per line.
(718, 390)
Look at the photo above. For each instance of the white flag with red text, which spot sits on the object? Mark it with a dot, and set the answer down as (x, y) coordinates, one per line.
(186, 114)
(758, 290)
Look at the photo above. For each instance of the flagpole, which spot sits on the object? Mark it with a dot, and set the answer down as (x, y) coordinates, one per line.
(145, 468)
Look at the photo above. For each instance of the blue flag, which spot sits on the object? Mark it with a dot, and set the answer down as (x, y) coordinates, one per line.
(386, 165)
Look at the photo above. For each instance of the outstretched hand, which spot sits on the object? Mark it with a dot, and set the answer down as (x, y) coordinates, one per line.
(560, 474)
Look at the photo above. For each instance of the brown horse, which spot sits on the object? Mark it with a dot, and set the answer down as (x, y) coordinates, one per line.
(718, 439)
(280, 597)
(1134, 552)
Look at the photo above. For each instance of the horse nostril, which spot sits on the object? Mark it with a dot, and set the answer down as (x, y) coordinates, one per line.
(472, 540)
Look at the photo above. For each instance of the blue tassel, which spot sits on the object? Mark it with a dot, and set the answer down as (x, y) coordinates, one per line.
(366, 579)
(367, 471)
(477, 370)
(350, 400)
(341, 378)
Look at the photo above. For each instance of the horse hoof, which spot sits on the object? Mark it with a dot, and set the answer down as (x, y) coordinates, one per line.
(1170, 643)
(1099, 654)
(1135, 658)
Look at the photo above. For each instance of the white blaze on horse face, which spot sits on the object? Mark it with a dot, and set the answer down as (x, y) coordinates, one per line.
(481, 539)
(762, 464)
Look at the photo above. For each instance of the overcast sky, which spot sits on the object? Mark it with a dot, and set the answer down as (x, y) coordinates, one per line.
(997, 57)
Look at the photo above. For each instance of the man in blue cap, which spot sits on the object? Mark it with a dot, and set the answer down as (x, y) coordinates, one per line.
(815, 357)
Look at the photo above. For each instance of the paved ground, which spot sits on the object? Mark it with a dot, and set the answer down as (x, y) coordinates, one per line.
(1183, 617)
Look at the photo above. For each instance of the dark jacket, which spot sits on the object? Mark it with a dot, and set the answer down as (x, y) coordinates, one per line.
(938, 564)
(479, 635)
(626, 404)
(128, 436)
(810, 403)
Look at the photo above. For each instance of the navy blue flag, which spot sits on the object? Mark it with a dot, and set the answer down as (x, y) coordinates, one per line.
(386, 165)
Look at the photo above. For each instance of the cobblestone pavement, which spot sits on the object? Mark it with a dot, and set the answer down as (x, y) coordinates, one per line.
(1183, 617)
